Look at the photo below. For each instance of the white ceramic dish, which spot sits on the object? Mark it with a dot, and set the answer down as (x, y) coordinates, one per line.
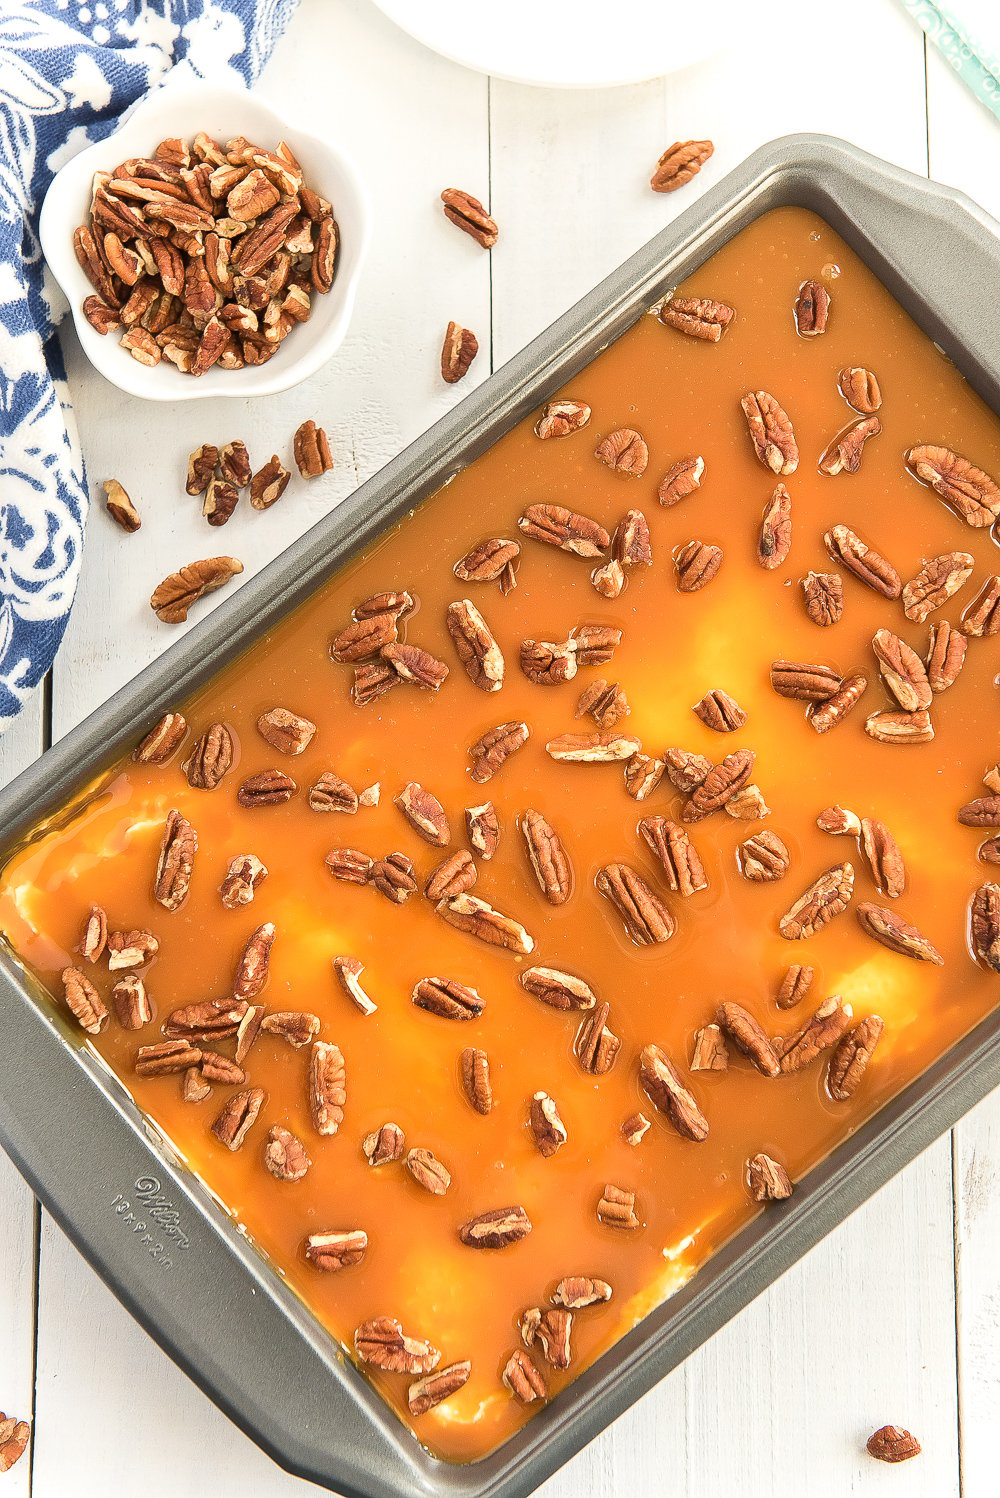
(182, 110)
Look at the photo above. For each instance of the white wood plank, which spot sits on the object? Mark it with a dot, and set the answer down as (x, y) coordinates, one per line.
(964, 141)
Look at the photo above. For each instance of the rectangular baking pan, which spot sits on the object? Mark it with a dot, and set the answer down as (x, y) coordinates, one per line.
(150, 1229)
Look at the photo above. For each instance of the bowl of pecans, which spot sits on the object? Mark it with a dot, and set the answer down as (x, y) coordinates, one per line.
(207, 247)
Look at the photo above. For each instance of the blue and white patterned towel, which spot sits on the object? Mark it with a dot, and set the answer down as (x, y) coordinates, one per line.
(68, 71)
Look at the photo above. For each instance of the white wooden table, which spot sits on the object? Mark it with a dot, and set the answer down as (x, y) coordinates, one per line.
(896, 1316)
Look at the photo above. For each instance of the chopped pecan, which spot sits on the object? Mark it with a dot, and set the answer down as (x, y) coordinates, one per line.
(131, 949)
(176, 861)
(719, 711)
(749, 1037)
(286, 731)
(476, 645)
(846, 547)
(984, 926)
(268, 484)
(662, 1084)
(896, 933)
(350, 865)
(331, 793)
(824, 596)
(364, 637)
(982, 617)
(348, 971)
(414, 664)
(902, 671)
(384, 1145)
(424, 813)
(851, 1056)
(382, 1343)
(95, 934)
(804, 681)
(166, 1058)
(131, 1002)
(496, 1229)
(696, 563)
(488, 562)
(679, 163)
(884, 858)
(767, 1179)
(946, 656)
(311, 450)
(635, 1128)
(828, 714)
(679, 858)
(428, 1171)
(966, 489)
(900, 728)
(825, 898)
(601, 748)
(763, 858)
(616, 1208)
(643, 774)
(623, 451)
(596, 1046)
(812, 309)
(845, 452)
(447, 998)
(522, 1378)
(178, 591)
(120, 507)
(214, 1019)
(607, 705)
(458, 350)
(425, 1393)
(547, 664)
(578, 1291)
(698, 317)
(452, 876)
(935, 583)
(162, 742)
(393, 877)
(238, 1116)
(83, 1001)
(548, 857)
(468, 913)
(482, 825)
(710, 1050)
(826, 1028)
(267, 788)
(327, 1087)
(775, 539)
(891, 1443)
(682, 479)
(771, 432)
(721, 784)
(558, 418)
(686, 771)
(860, 389)
(210, 759)
(647, 919)
(560, 990)
(476, 1083)
(547, 1127)
(564, 528)
(794, 986)
(496, 745)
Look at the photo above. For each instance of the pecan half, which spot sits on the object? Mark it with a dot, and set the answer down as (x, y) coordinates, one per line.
(424, 813)
(496, 745)
(630, 543)
(662, 1084)
(803, 681)
(594, 644)
(373, 679)
(721, 784)
(181, 589)
(824, 596)
(234, 464)
(811, 309)
(428, 1171)
(166, 1057)
(902, 671)
(414, 664)
(131, 1002)
(286, 731)
(447, 999)
(268, 484)
(900, 728)
(488, 562)
(602, 748)
(824, 1029)
(382, 1343)
(771, 432)
(718, 711)
(982, 617)
(384, 1145)
(710, 1051)
(365, 636)
(469, 215)
(350, 865)
(452, 876)
(547, 664)
(393, 877)
(327, 1087)
(896, 933)
(497, 1228)
(946, 656)
(891, 1443)
(522, 1378)
(696, 563)
(476, 645)
(176, 861)
(564, 528)
(458, 350)
(884, 858)
(984, 811)
(679, 163)
(607, 705)
(596, 1046)
(826, 715)
(253, 967)
(331, 793)
(845, 452)
(775, 539)
(846, 546)
(623, 451)
(482, 826)
(681, 480)
(825, 898)
(336, 1250)
(476, 1085)
(670, 843)
(121, 509)
(616, 1208)
(238, 1116)
(468, 913)
(578, 1291)
(311, 450)
(95, 934)
(214, 1019)
(763, 858)
(698, 317)
(131, 949)
(425, 1393)
(559, 418)
(643, 774)
(794, 986)
(686, 771)
(548, 857)
(767, 1179)
(547, 1127)
(560, 990)
(935, 583)
(647, 919)
(268, 788)
(210, 759)
(348, 971)
(860, 389)
(749, 1037)
(162, 742)
(984, 926)
(851, 1056)
(966, 489)
(217, 1068)
(83, 1001)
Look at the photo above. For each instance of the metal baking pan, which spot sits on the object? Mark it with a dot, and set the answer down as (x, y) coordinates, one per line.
(156, 1236)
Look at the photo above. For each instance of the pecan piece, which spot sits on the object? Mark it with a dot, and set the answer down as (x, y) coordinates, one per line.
(181, 589)
(803, 681)
(330, 793)
(984, 926)
(131, 949)
(348, 971)
(217, 1068)
(812, 309)
(476, 645)
(166, 1058)
(102, 318)
(775, 539)
(846, 546)
(428, 1171)
(253, 967)
(647, 919)
(247, 1031)
(95, 934)
(593, 748)
(851, 1056)
(162, 742)
(482, 825)
(839, 822)
(131, 1002)
(763, 858)
(214, 1019)
(372, 680)
(623, 451)
(698, 317)
(828, 714)
(686, 771)
(643, 774)
(661, 1081)
(825, 898)
(424, 813)
(412, 663)
(594, 644)
(210, 759)
(286, 731)
(900, 728)
(749, 1037)
(560, 527)
(468, 913)
(384, 1145)
(238, 1116)
(382, 1343)
(860, 389)
(487, 562)
(696, 563)
(522, 1378)
(682, 479)
(982, 617)
(393, 877)
(771, 432)
(635, 1128)
(578, 1291)
(935, 583)
(616, 1208)
(476, 1083)
(670, 843)
(268, 788)
(458, 350)
(794, 986)
(596, 1046)
(496, 1229)
(902, 671)
(559, 418)
(350, 865)
(547, 664)
(630, 543)
(425, 1393)
(679, 163)
(721, 784)
(83, 1001)
(946, 656)
(884, 858)
(447, 999)
(891, 1443)
(969, 491)
(469, 215)
(845, 452)
(234, 464)
(748, 805)
(607, 705)
(718, 711)
(121, 509)
(710, 1050)
(336, 1250)
(547, 1127)
(896, 933)
(327, 1087)
(176, 861)
(268, 484)
(551, 1329)
(824, 596)
(825, 1029)
(767, 1179)
(548, 857)
(984, 811)
(496, 745)
(560, 990)
(311, 450)
(364, 637)
(452, 876)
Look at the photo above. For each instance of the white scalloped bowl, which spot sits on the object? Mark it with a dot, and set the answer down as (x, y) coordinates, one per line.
(182, 110)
